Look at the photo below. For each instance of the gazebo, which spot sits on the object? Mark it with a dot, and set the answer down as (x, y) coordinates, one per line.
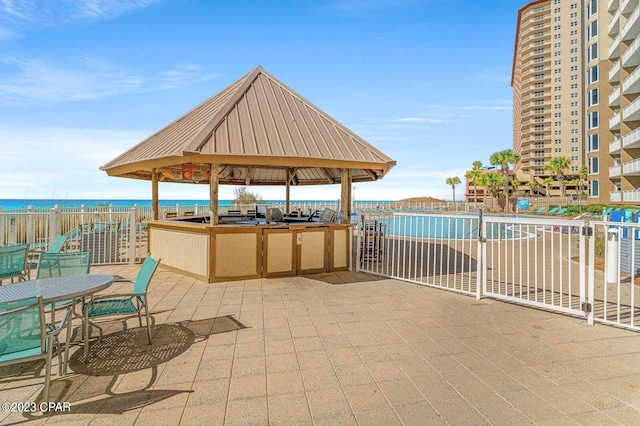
(257, 131)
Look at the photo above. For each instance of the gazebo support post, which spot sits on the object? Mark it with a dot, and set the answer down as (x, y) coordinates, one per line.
(287, 206)
(213, 192)
(345, 195)
(154, 193)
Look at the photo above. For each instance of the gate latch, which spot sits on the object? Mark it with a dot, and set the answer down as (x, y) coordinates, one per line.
(587, 231)
(585, 307)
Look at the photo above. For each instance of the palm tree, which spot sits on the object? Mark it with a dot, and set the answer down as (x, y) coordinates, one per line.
(503, 159)
(453, 181)
(473, 175)
(557, 166)
(575, 183)
(547, 185)
(493, 182)
(533, 185)
(516, 185)
(584, 174)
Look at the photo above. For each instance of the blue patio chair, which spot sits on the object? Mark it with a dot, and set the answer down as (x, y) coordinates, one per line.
(553, 210)
(61, 265)
(25, 336)
(607, 211)
(123, 303)
(13, 262)
(55, 247)
(561, 212)
(540, 210)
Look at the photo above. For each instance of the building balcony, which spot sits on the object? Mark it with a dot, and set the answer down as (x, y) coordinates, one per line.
(615, 197)
(631, 84)
(614, 96)
(631, 168)
(631, 56)
(632, 28)
(614, 49)
(614, 147)
(615, 172)
(631, 139)
(632, 111)
(614, 122)
(614, 25)
(628, 5)
(612, 5)
(632, 195)
(614, 72)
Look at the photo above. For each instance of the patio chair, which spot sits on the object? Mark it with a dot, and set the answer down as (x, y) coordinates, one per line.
(123, 303)
(13, 262)
(561, 212)
(55, 247)
(540, 210)
(26, 337)
(61, 265)
(553, 210)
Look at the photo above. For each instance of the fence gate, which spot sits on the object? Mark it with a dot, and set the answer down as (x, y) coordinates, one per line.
(535, 261)
(541, 262)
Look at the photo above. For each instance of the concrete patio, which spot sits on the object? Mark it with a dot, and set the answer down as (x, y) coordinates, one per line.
(340, 348)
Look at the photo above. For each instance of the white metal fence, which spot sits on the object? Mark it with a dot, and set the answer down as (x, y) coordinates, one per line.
(583, 268)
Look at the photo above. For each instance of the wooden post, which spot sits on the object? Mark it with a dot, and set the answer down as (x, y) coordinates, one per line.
(213, 192)
(154, 193)
(345, 195)
(288, 192)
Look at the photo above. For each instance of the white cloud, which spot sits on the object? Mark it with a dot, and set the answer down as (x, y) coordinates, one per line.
(25, 80)
(418, 120)
(18, 16)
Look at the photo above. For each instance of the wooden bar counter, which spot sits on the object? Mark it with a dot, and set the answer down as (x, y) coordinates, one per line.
(245, 251)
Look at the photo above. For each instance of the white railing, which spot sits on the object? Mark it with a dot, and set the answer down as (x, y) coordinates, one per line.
(614, 49)
(615, 196)
(632, 22)
(612, 5)
(631, 196)
(632, 139)
(614, 25)
(615, 171)
(631, 50)
(630, 112)
(614, 122)
(628, 5)
(630, 80)
(614, 96)
(614, 72)
(614, 146)
(632, 166)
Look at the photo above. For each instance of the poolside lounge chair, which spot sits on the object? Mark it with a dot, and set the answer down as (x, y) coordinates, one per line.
(561, 212)
(553, 210)
(540, 210)
(13, 262)
(607, 211)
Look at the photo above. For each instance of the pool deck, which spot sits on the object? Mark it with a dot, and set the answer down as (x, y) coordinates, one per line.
(342, 348)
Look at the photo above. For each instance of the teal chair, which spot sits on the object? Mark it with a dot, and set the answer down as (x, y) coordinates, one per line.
(561, 212)
(26, 337)
(540, 210)
(55, 247)
(60, 265)
(553, 210)
(13, 262)
(123, 303)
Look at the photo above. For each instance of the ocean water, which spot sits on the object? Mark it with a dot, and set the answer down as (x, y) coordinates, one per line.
(15, 204)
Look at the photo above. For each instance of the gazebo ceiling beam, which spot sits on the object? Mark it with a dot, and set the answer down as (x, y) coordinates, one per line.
(248, 178)
(327, 175)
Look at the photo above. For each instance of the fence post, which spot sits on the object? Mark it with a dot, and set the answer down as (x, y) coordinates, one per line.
(31, 229)
(133, 235)
(13, 229)
(54, 223)
(359, 225)
(481, 255)
(110, 212)
(195, 209)
(2, 229)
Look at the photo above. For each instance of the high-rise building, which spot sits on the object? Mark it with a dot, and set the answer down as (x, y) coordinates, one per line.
(548, 80)
(623, 126)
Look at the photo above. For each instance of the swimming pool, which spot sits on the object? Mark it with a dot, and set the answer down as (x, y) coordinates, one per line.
(457, 227)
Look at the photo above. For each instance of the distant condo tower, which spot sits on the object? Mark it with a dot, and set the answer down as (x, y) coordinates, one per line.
(576, 94)
(548, 84)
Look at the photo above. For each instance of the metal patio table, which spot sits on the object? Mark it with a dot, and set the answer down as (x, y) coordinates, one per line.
(57, 289)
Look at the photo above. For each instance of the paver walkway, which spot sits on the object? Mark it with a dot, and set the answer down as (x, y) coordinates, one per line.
(339, 349)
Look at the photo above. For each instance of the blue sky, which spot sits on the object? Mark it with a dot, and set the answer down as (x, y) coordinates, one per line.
(425, 81)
